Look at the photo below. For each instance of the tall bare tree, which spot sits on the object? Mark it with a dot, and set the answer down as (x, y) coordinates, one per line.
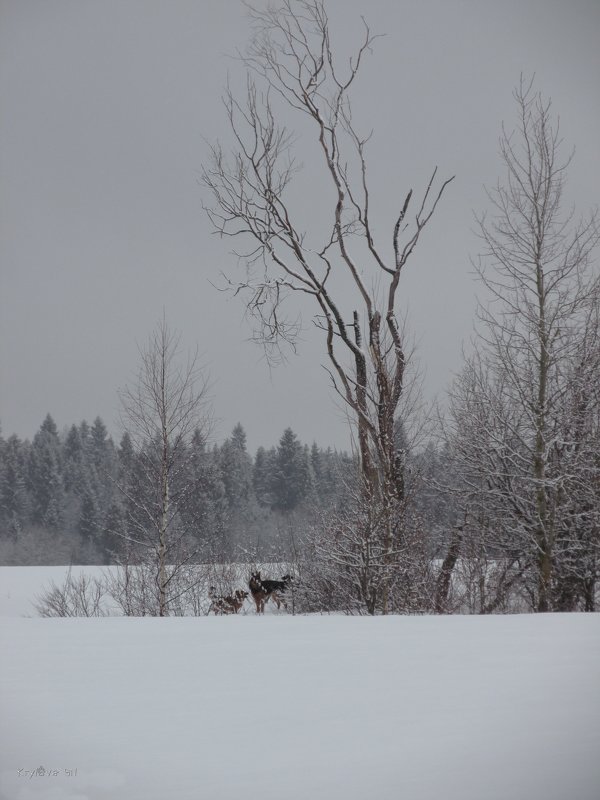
(524, 410)
(162, 411)
(352, 280)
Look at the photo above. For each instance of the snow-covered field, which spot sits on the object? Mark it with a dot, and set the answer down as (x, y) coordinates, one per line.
(19, 586)
(405, 708)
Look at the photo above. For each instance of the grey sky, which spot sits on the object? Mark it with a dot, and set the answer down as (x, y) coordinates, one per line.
(103, 108)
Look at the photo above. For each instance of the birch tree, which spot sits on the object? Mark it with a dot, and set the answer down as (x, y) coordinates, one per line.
(524, 410)
(162, 411)
(349, 275)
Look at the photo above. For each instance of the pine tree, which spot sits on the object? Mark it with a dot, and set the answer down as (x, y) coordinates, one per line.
(49, 426)
(73, 461)
(44, 476)
(316, 460)
(238, 437)
(126, 454)
(290, 483)
(15, 504)
(306, 476)
(263, 475)
(53, 516)
(99, 443)
(104, 465)
(236, 469)
(2, 473)
(114, 533)
(89, 519)
(206, 509)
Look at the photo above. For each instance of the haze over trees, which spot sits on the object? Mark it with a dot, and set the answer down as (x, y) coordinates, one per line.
(101, 500)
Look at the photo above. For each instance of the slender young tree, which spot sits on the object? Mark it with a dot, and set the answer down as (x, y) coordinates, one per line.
(524, 410)
(351, 279)
(162, 412)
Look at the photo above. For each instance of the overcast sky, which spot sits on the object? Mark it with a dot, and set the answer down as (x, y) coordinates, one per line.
(105, 106)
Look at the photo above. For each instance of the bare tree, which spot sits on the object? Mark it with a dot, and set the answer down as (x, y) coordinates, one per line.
(165, 407)
(524, 411)
(78, 596)
(351, 279)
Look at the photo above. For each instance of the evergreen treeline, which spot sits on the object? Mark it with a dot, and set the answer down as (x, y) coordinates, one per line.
(69, 497)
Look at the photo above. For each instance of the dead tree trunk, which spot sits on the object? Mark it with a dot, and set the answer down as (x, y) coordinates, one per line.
(293, 68)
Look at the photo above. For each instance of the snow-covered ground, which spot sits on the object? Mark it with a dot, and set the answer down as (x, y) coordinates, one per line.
(339, 708)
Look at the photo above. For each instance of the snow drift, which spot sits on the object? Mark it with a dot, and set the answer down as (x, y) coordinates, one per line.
(417, 708)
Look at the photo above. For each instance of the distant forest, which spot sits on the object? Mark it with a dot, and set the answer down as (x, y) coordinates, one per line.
(66, 497)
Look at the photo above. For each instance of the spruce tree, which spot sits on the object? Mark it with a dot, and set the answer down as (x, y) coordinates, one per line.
(99, 443)
(44, 476)
(73, 461)
(15, 502)
(290, 484)
(89, 519)
(236, 469)
(263, 476)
